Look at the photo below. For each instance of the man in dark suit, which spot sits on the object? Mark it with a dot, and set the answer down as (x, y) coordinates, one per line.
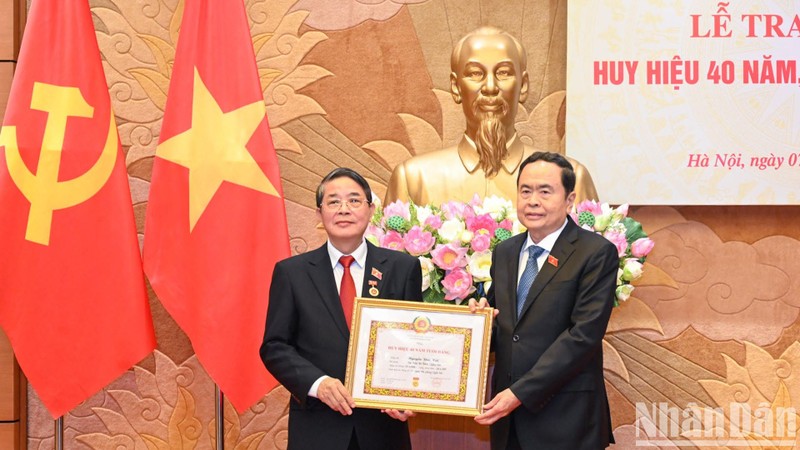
(554, 289)
(307, 330)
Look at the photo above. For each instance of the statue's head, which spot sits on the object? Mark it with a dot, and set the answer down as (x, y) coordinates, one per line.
(489, 80)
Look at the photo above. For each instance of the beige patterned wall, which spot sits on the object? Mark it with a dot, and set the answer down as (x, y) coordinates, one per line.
(364, 84)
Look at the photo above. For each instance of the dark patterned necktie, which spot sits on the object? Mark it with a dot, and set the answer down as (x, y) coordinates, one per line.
(528, 275)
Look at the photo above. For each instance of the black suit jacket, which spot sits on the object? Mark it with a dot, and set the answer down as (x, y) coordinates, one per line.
(306, 337)
(551, 356)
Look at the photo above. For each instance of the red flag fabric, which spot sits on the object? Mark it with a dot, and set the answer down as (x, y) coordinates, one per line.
(72, 294)
(216, 222)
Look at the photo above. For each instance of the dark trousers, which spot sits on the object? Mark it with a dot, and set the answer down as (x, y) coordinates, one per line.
(513, 439)
(353, 442)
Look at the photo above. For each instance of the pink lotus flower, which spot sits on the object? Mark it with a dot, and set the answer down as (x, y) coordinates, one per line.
(449, 256)
(476, 201)
(506, 224)
(622, 210)
(393, 240)
(591, 206)
(374, 234)
(434, 222)
(618, 239)
(481, 222)
(481, 242)
(418, 241)
(642, 247)
(397, 208)
(457, 210)
(457, 284)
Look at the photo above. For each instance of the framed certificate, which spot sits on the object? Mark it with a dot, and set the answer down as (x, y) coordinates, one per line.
(422, 357)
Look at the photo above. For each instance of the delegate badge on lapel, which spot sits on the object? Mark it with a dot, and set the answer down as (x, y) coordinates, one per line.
(552, 260)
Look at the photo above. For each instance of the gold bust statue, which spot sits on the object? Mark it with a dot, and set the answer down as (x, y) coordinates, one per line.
(489, 80)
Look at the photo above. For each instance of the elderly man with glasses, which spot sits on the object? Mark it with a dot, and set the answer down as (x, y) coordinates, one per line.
(308, 322)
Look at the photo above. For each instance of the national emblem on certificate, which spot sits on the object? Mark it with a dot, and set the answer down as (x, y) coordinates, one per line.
(418, 356)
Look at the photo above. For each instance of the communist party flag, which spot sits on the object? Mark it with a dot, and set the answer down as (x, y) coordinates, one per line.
(216, 223)
(72, 293)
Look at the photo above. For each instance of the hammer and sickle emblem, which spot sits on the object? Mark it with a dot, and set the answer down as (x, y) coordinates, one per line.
(43, 190)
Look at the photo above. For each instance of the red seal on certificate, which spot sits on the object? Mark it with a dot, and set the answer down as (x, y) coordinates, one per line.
(422, 324)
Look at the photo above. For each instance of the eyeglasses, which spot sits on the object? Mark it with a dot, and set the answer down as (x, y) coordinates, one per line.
(353, 204)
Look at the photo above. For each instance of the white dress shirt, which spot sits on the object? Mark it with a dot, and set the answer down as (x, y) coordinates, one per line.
(546, 243)
(356, 271)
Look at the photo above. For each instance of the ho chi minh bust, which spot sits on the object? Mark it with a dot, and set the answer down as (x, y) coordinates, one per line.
(489, 80)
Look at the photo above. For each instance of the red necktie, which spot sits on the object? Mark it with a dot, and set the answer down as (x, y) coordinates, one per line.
(347, 291)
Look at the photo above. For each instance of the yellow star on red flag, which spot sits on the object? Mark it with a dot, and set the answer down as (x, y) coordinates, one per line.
(214, 164)
(214, 149)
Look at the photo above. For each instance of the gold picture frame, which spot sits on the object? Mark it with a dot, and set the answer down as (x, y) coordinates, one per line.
(423, 357)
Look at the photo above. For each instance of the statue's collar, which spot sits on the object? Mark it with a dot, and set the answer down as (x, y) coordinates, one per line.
(469, 154)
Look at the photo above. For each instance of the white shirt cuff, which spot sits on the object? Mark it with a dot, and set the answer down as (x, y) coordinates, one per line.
(313, 391)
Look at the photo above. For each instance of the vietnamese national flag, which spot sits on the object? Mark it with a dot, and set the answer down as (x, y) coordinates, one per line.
(72, 293)
(216, 223)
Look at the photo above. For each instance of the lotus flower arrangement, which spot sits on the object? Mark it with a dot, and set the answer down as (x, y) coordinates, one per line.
(454, 241)
(625, 233)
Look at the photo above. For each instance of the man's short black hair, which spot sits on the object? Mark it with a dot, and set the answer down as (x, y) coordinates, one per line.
(567, 171)
(344, 172)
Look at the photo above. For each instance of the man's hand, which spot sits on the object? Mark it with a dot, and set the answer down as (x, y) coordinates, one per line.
(500, 406)
(402, 416)
(333, 393)
(477, 306)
